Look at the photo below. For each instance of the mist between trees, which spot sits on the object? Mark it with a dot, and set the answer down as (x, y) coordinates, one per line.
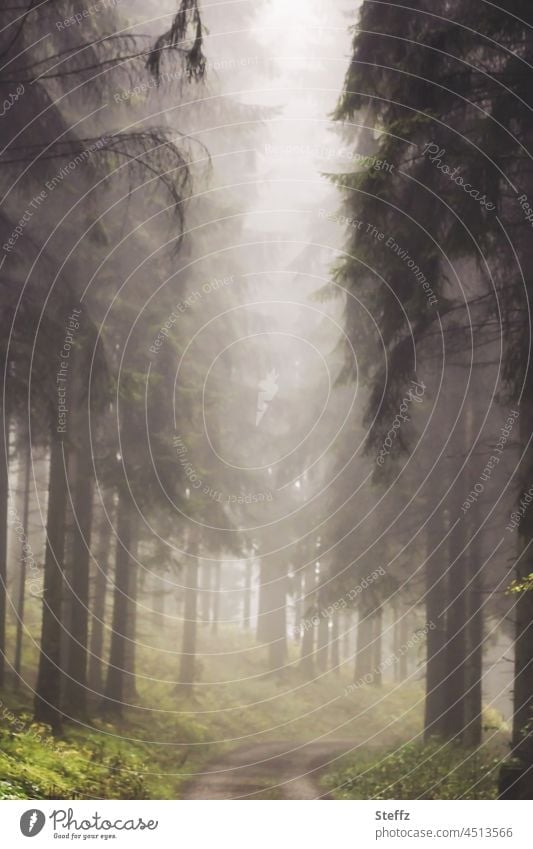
(266, 465)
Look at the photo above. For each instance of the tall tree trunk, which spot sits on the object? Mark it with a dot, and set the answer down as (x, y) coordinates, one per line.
(347, 626)
(130, 689)
(277, 616)
(158, 584)
(114, 691)
(474, 636)
(25, 552)
(49, 675)
(363, 673)
(516, 780)
(215, 615)
(456, 618)
(400, 636)
(322, 649)
(298, 584)
(159, 598)
(187, 669)
(263, 603)
(205, 599)
(247, 596)
(436, 599)
(307, 655)
(323, 635)
(75, 697)
(4, 486)
(335, 655)
(403, 636)
(377, 646)
(96, 644)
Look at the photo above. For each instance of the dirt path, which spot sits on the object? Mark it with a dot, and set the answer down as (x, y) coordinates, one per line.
(284, 770)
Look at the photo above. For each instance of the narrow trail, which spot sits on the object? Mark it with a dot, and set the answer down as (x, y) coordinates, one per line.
(278, 770)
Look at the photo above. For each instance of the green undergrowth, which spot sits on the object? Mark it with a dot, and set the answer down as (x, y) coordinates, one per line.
(167, 737)
(419, 771)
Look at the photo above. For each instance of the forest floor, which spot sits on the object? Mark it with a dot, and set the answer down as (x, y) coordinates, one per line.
(242, 734)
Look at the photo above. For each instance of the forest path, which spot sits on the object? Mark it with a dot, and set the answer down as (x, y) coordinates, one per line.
(277, 770)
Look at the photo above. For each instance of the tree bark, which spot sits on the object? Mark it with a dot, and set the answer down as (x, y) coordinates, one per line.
(114, 691)
(364, 653)
(206, 591)
(25, 551)
(335, 655)
(307, 625)
(456, 630)
(522, 787)
(215, 614)
(130, 689)
(277, 616)
(474, 638)
(403, 636)
(377, 646)
(186, 677)
(347, 626)
(247, 596)
(298, 591)
(49, 676)
(98, 606)
(436, 599)
(400, 637)
(263, 604)
(4, 485)
(75, 697)
(322, 649)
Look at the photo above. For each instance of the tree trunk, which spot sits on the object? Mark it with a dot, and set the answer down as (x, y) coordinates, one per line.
(25, 552)
(263, 604)
(49, 676)
(516, 780)
(322, 649)
(436, 599)
(159, 598)
(474, 638)
(206, 593)
(186, 675)
(130, 689)
(323, 634)
(347, 625)
(114, 691)
(159, 591)
(363, 673)
(456, 618)
(403, 636)
(298, 584)
(75, 697)
(215, 615)
(247, 596)
(277, 616)
(98, 605)
(307, 627)
(4, 485)
(377, 646)
(335, 655)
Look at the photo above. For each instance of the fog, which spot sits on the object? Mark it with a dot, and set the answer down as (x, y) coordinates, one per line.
(264, 431)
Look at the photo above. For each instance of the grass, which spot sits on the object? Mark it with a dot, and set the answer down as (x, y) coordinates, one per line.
(167, 737)
(419, 771)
